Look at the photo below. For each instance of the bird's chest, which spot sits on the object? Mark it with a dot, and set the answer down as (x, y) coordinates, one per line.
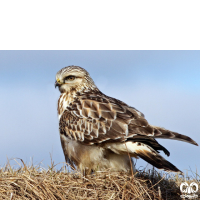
(63, 102)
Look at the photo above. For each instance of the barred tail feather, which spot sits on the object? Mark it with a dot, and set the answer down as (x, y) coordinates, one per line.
(166, 134)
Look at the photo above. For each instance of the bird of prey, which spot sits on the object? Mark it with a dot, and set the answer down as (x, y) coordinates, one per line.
(99, 132)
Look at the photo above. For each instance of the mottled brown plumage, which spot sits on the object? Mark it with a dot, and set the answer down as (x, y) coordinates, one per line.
(98, 131)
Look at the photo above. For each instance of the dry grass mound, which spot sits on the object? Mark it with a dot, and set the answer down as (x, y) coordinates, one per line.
(33, 182)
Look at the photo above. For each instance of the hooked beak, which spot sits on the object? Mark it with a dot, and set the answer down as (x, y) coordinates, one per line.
(57, 84)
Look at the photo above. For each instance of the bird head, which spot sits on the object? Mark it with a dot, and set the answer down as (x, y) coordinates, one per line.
(74, 78)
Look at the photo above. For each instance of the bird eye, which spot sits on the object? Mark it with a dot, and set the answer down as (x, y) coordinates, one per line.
(70, 78)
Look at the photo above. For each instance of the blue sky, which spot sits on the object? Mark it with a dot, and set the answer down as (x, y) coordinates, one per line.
(164, 85)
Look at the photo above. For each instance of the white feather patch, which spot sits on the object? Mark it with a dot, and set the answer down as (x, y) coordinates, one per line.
(130, 147)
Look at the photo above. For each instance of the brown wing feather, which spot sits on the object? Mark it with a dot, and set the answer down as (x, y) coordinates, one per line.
(98, 118)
